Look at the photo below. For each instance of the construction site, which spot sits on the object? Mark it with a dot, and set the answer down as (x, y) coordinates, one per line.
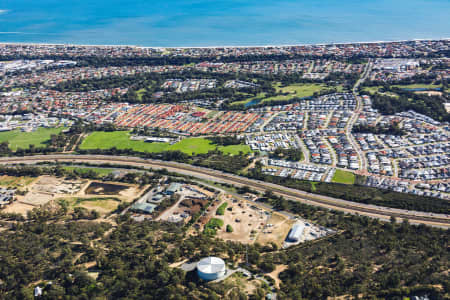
(95, 195)
(224, 215)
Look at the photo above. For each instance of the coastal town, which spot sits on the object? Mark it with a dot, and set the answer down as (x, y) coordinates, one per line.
(205, 150)
(319, 124)
(231, 162)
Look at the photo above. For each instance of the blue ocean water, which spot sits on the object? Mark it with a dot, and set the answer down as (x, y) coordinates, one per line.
(221, 22)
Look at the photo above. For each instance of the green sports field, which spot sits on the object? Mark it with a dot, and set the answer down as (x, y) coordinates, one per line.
(121, 140)
(304, 89)
(235, 149)
(193, 145)
(344, 177)
(18, 139)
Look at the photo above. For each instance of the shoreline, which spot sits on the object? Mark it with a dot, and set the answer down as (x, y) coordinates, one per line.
(228, 47)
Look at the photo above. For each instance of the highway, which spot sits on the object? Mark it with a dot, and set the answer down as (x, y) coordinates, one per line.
(373, 211)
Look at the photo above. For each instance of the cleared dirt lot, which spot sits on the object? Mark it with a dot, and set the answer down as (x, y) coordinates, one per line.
(47, 188)
(35, 198)
(44, 189)
(18, 208)
(276, 230)
(103, 206)
(55, 185)
(246, 219)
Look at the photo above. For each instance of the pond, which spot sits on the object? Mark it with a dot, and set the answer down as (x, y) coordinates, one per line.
(100, 188)
(422, 89)
(253, 102)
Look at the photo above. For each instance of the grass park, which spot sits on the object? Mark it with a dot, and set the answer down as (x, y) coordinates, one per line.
(343, 177)
(19, 139)
(302, 90)
(298, 90)
(121, 140)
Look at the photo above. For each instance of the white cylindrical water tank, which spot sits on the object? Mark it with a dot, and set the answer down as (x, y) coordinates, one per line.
(211, 268)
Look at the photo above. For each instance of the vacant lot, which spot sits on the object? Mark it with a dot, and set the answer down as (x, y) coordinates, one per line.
(18, 208)
(15, 182)
(276, 230)
(18, 139)
(46, 188)
(103, 197)
(344, 177)
(245, 220)
(121, 140)
(35, 198)
(54, 185)
(102, 205)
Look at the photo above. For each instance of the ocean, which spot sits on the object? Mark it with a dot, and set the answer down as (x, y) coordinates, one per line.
(169, 23)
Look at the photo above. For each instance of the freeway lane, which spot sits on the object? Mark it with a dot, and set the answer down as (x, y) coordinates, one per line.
(204, 173)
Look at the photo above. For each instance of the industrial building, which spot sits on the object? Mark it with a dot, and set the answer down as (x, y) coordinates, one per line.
(156, 198)
(173, 188)
(147, 208)
(211, 268)
(296, 232)
(6, 196)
